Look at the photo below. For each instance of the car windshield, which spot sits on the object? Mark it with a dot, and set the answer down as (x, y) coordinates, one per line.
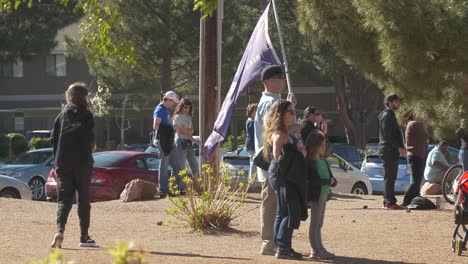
(378, 160)
(108, 159)
(237, 161)
(31, 158)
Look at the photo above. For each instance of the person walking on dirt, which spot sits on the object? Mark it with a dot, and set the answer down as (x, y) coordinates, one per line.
(73, 144)
(391, 146)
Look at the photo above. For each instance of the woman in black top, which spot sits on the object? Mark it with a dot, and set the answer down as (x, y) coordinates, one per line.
(73, 144)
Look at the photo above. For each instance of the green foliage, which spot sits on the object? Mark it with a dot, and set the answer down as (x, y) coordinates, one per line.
(24, 31)
(18, 143)
(211, 201)
(365, 152)
(55, 257)
(38, 143)
(412, 47)
(206, 7)
(123, 253)
(228, 143)
(4, 146)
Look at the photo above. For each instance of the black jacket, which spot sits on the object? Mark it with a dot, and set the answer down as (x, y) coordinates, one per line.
(314, 183)
(73, 137)
(390, 134)
(292, 183)
(307, 126)
(166, 136)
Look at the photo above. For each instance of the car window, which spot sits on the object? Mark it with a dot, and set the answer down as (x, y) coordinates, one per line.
(140, 164)
(237, 161)
(36, 157)
(334, 162)
(152, 163)
(108, 159)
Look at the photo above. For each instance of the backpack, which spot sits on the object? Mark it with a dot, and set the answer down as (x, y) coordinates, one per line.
(421, 203)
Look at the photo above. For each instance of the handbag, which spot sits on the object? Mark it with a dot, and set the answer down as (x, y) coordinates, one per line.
(260, 161)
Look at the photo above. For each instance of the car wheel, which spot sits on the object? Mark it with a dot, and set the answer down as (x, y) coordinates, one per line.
(7, 193)
(359, 188)
(38, 189)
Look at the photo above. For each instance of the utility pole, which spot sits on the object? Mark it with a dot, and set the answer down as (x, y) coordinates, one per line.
(210, 94)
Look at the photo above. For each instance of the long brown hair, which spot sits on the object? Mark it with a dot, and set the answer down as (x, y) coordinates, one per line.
(250, 109)
(183, 102)
(76, 94)
(274, 123)
(313, 142)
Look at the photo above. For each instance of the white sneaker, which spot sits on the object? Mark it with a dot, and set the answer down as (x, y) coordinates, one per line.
(58, 240)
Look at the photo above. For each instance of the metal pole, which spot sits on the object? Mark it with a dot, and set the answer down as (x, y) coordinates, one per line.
(283, 51)
(200, 97)
(219, 25)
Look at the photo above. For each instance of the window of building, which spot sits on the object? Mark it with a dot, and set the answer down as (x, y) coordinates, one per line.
(56, 65)
(12, 69)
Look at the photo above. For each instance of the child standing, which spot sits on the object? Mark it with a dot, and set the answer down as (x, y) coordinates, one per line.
(320, 179)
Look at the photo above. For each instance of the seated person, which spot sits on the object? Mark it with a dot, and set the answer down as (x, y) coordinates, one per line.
(436, 166)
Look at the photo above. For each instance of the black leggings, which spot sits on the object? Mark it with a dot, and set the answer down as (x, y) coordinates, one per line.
(69, 182)
(417, 165)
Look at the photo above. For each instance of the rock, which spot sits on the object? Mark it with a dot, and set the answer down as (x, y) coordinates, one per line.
(364, 207)
(160, 223)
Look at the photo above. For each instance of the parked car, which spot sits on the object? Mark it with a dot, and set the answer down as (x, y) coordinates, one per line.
(12, 188)
(349, 153)
(136, 147)
(350, 179)
(373, 168)
(31, 167)
(238, 163)
(112, 170)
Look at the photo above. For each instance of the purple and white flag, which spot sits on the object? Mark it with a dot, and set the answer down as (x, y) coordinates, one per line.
(258, 55)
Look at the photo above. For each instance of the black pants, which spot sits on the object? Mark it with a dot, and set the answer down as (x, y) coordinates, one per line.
(390, 163)
(69, 182)
(417, 165)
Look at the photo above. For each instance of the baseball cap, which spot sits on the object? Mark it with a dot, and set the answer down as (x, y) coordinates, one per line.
(392, 97)
(171, 95)
(272, 71)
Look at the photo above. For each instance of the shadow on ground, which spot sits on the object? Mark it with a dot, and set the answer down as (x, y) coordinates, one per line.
(193, 255)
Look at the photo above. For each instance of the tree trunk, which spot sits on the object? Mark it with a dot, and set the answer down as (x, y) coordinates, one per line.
(122, 122)
(342, 108)
(166, 74)
(210, 84)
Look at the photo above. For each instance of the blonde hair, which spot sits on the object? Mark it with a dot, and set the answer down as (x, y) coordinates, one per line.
(274, 123)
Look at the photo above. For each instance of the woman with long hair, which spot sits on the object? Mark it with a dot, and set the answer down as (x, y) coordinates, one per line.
(183, 126)
(286, 175)
(73, 144)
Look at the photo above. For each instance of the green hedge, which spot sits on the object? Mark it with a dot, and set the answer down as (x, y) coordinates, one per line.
(18, 143)
(4, 146)
(38, 143)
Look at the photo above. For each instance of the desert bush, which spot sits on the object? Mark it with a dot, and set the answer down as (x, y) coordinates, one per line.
(55, 257)
(4, 146)
(123, 253)
(211, 201)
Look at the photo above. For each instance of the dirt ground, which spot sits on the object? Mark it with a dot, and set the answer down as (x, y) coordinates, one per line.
(354, 234)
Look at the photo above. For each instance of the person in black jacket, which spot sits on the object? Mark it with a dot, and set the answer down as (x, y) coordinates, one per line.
(320, 179)
(73, 144)
(391, 146)
(286, 176)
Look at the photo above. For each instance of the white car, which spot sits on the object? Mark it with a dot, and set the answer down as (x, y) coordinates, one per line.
(350, 179)
(13, 188)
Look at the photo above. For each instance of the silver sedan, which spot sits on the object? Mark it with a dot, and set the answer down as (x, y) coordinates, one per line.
(13, 188)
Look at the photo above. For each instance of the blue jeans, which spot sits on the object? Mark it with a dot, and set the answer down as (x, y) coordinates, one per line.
(283, 233)
(163, 172)
(182, 155)
(463, 156)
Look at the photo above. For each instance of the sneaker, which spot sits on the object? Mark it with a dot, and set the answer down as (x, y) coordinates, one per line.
(392, 207)
(58, 240)
(87, 242)
(288, 254)
(267, 249)
(322, 254)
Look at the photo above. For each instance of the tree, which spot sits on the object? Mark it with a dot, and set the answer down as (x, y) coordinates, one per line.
(24, 31)
(414, 47)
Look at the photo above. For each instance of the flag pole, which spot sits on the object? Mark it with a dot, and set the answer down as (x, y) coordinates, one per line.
(283, 51)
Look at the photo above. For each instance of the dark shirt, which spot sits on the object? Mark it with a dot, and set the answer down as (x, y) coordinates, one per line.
(307, 126)
(73, 137)
(250, 134)
(314, 182)
(390, 135)
(463, 136)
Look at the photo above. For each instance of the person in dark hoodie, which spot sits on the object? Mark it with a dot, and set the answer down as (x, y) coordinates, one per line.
(73, 143)
(320, 179)
(286, 176)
